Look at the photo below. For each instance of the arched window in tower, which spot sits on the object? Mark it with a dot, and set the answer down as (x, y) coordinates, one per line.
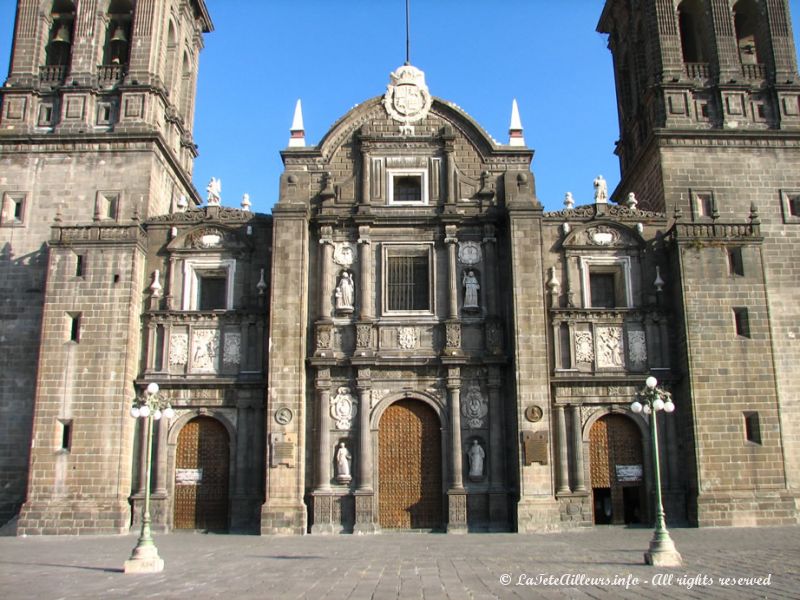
(59, 45)
(692, 23)
(171, 59)
(118, 34)
(745, 18)
(186, 86)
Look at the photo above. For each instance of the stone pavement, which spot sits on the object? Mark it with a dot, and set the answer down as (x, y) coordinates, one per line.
(602, 562)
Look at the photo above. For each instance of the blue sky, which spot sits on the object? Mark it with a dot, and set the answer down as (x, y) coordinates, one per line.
(333, 54)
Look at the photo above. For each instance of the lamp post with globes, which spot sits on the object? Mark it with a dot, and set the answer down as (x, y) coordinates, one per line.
(149, 406)
(662, 552)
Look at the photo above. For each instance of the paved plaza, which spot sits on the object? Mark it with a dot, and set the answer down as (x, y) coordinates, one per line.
(603, 562)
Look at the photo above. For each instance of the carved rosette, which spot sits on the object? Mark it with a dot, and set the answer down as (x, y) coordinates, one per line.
(474, 407)
(453, 335)
(584, 347)
(343, 408)
(610, 347)
(407, 338)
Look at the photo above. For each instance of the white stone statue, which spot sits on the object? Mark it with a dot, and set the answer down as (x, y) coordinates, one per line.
(345, 293)
(343, 457)
(471, 287)
(214, 190)
(600, 190)
(476, 457)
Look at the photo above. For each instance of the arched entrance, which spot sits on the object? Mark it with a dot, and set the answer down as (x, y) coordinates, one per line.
(201, 476)
(409, 467)
(615, 447)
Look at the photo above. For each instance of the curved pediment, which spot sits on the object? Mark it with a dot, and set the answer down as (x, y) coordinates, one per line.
(602, 234)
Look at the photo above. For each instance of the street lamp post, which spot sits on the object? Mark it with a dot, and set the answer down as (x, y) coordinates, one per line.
(662, 552)
(148, 406)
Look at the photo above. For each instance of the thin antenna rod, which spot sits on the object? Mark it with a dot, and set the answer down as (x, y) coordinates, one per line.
(408, 33)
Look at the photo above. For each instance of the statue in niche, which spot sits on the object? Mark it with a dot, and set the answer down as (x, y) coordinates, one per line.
(471, 287)
(476, 457)
(343, 458)
(345, 293)
(600, 190)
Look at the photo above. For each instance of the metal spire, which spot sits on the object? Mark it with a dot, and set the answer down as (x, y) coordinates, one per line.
(408, 32)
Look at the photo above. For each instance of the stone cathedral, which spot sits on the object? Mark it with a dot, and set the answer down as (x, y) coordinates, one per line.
(409, 341)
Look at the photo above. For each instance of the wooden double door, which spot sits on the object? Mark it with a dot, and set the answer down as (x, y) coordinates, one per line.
(201, 476)
(410, 467)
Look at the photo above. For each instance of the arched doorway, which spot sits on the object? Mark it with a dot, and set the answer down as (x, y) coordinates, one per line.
(615, 447)
(201, 476)
(409, 467)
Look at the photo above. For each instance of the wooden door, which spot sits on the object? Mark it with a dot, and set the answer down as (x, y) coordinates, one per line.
(409, 467)
(201, 476)
(615, 449)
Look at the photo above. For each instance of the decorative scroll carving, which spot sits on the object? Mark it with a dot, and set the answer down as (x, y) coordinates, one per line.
(343, 408)
(610, 347)
(407, 338)
(584, 347)
(602, 236)
(376, 396)
(178, 348)
(474, 407)
(205, 350)
(206, 237)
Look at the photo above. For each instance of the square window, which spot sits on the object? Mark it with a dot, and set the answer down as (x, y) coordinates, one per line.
(742, 322)
(752, 427)
(407, 186)
(606, 282)
(704, 206)
(107, 206)
(45, 115)
(407, 279)
(602, 289)
(13, 213)
(735, 262)
(212, 291)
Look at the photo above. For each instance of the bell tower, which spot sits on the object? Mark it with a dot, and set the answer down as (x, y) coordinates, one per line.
(95, 131)
(709, 115)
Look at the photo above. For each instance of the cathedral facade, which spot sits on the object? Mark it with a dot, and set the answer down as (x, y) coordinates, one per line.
(409, 341)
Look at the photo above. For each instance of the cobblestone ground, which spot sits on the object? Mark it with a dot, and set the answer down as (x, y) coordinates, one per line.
(592, 563)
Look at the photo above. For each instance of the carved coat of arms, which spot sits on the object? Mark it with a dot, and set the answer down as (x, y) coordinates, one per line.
(343, 408)
(407, 98)
(474, 407)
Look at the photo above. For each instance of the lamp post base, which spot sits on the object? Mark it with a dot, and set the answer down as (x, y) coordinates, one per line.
(662, 552)
(144, 559)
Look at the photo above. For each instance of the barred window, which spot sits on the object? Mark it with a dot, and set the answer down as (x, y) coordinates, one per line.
(407, 282)
(407, 188)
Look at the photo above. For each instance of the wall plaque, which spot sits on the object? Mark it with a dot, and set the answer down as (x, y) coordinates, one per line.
(533, 413)
(188, 476)
(534, 447)
(281, 446)
(629, 473)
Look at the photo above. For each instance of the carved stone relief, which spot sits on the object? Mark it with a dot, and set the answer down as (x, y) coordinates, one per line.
(363, 336)
(324, 337)
(407, 338)
(584, 347)
(178, 348)
(610, 347)
(231, 349)
(343, 408)
(474, 407)
(453, 334)
(602, 236)
(205, 350)
(469, 253)
(637, 348)
(344, 254)
(494, 337)
(376, 396)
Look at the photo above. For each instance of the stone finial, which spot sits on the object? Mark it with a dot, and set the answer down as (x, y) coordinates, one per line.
(182, 203)
(631, 202)
(565, 228)
(246, 202)
(214, 189)
(155, 287)
(261, 286)
(659, 281)
(297, 137)
(569, 201)
(754, 218)
(515, 137)
(553, 287)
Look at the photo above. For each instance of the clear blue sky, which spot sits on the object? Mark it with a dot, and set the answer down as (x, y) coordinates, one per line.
(333, 54)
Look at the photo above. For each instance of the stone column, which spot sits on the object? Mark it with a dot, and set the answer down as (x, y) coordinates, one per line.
(450, 167)
(325, 284)
(452, 271)
(364, 494)
(577, 448)
(365, 275)
(498, 501)
(456, 495)
(490, 267)
(323, 497)
(160, 486)
(563, 457)
(366, 183)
